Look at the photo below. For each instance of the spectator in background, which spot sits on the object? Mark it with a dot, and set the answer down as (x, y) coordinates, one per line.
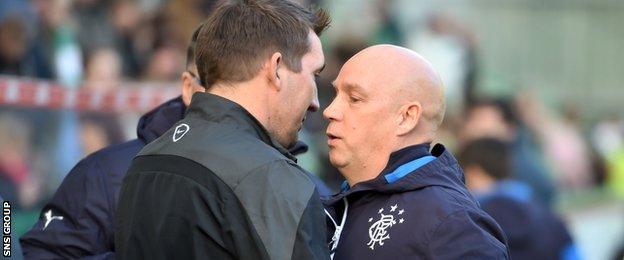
(183, 15)
(133, 36)
(533, 231)
(496, 118)
(103, 74)
(607, 138)
(56, 38)
(606, 135)
(23, 52)
(19, 54)
(387, 30)
(564, 147)
(13, 47)
(103, 70)
(97, 131)
(452, 49)
(17, 183)
(57, 35)
(163, 65)
(95, 30)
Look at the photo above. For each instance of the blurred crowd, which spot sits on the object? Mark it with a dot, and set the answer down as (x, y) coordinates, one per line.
(93, 44)
(101, 44)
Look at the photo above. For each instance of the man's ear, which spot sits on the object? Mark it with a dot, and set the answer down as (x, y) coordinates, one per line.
(274, 69)
(409, 116)
(190, 85)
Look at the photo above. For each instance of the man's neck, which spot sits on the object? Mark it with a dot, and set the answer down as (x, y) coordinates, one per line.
(369, 168)
(365, 170)
(247, 94)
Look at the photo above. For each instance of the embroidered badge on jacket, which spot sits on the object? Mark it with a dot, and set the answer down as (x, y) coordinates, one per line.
(378, 231)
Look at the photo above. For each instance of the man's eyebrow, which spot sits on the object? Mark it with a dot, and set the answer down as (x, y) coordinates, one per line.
(350, 86)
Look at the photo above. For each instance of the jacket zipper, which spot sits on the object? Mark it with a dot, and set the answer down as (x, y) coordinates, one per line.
(336, 237)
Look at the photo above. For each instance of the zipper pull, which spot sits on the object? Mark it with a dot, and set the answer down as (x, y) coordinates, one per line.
(336, 236)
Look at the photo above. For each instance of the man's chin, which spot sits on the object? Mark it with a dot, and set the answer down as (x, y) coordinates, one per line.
(290, 143)
(336, 161)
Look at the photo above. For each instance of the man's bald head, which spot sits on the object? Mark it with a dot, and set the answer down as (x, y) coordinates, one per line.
(387, 98)
(404, 76)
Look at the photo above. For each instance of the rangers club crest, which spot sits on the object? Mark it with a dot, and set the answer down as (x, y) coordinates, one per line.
(378, 231)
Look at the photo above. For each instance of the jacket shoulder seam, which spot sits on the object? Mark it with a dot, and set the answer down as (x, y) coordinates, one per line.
(186, 178)
(254, 170)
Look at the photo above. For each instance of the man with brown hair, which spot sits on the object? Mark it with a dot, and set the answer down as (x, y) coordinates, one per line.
(221, 183)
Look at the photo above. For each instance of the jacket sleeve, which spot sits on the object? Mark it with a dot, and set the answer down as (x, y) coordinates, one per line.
(467, 235)
(285, 210)
(311, 228)
(76, 223)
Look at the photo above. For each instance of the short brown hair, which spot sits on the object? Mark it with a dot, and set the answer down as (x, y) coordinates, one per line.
(239, 34)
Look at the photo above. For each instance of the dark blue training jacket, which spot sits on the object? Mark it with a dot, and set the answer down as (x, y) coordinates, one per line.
(87, 198)
(417, 208)
(533, 231)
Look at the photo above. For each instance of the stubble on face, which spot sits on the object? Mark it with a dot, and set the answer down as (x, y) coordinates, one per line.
(299, 94)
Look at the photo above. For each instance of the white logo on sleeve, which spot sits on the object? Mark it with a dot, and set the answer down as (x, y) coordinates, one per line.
(180, 131)
(378, 231)
(49, 218)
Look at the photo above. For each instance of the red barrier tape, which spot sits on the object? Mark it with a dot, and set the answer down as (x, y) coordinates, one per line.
(131, 97)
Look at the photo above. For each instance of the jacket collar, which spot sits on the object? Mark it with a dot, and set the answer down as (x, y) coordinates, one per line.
(220, 110)
(156, 122)
(443, 170)
(405, 155)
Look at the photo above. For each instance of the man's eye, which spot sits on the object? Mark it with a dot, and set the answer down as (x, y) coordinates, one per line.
(354, 99)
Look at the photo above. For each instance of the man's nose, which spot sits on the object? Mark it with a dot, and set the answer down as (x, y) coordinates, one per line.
(330, 113)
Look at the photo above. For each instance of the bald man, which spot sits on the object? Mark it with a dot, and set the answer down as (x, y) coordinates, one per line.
(400, 200)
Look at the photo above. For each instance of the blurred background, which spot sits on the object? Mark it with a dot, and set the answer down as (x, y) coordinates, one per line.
(543, 75)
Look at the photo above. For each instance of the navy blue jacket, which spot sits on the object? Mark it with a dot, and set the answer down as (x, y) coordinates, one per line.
(418, 208)
(87, 198)
(533, 231)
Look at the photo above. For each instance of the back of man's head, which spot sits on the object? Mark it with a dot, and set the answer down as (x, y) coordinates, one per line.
(489, 154)
(240, 34)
